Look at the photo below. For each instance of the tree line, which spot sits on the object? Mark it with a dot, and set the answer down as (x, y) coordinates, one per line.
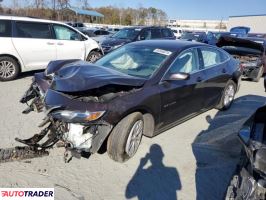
(54, 9)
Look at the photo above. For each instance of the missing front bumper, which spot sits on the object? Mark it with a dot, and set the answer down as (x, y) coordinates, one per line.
(34, 98)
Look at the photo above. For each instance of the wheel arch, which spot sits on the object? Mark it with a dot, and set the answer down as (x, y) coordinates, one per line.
(148, 118)
(94, 49)
(15, 58)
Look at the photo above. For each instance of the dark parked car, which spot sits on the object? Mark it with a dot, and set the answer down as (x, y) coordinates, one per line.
(199, 37)
(142, 88)
(97, 34)
(132, 34)
(257, 35)
(240, 31)
(250, 54)
(249, 181)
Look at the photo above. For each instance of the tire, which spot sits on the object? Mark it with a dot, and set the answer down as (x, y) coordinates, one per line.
(260, 73)
(9, 68)
(120, 139)
(93, 56)
(226, 101)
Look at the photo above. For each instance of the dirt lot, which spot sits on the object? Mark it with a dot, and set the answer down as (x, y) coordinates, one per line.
(192, 160)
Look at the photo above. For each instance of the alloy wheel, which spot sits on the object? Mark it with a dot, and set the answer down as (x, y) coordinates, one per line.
(7, 69)
(134, 138)
(93, 57)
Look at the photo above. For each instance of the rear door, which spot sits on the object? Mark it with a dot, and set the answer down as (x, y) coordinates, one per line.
(182, 98)
(69, 43)
(34, 43)
(214, 66)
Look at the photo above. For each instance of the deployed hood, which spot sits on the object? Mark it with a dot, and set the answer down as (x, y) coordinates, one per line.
(83, 77)
(238, 42)
(115, 41)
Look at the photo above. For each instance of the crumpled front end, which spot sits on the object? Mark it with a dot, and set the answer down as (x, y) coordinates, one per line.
(78, 126)
(76, 99)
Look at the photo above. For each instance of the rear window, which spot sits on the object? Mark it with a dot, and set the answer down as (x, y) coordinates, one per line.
(212, 56)
(167, 33)
(5, 28)
(33, 30)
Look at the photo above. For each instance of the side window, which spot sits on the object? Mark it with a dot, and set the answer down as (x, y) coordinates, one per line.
(223, 56)
(186, 62)
(65, 33)
(5, 28)
(33, 30)
(97, 32)
(211, 57)
(105, 33)
(156, 33)
(167, 33)
(146, 34)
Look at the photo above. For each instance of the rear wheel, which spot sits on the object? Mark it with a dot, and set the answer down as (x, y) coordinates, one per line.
(93, 56)
(228, 96)
(125, 138)
(9, 68)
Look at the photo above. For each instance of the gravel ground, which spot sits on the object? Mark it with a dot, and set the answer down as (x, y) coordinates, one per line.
(194, 160)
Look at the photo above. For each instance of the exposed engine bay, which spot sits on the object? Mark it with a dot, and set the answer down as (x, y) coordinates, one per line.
(250, 55)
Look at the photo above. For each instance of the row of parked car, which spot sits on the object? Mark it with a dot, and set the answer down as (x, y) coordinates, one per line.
(30, 43)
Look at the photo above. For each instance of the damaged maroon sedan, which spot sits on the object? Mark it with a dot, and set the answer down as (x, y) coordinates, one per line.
(142, 88)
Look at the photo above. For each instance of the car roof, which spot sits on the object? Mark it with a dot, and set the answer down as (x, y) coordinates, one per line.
(170, 45)
(143, 27)
(30, 19)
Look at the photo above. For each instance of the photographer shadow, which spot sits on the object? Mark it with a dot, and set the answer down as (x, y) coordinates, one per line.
(217, 150)
(156, 181)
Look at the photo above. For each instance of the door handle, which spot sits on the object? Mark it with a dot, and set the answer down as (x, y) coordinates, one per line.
(50, 43)
(199, 79)
(224, 70)
(60, 43)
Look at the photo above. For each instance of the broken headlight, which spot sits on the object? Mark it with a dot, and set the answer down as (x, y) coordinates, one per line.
(76, 116)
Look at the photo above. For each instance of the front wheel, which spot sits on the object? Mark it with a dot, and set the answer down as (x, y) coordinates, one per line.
(93, 56)
(125, 138)
(9, 68)
(228, 96)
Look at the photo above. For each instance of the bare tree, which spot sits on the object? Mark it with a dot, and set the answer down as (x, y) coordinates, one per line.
(39, 3)
(63, 3)
(15, 4)
(86, 4)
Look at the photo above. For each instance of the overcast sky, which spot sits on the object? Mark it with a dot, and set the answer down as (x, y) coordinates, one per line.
(188, 9)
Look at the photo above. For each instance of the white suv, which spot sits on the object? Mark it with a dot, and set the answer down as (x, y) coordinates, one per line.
(30, 44)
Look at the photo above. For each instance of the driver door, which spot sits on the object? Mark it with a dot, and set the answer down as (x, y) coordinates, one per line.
(182, 98)
(69, 43)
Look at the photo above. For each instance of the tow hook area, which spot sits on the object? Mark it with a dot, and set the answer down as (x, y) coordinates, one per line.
(78, 141)
(33, 97)
(34, 149)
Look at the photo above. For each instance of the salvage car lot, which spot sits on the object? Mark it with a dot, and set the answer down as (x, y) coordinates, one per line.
(207, 141)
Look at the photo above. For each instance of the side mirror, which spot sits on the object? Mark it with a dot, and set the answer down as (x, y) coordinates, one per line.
(178, 76)
(141, 38)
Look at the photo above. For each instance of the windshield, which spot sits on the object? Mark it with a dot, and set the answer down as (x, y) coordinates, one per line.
(135, 60)
(129, 33)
